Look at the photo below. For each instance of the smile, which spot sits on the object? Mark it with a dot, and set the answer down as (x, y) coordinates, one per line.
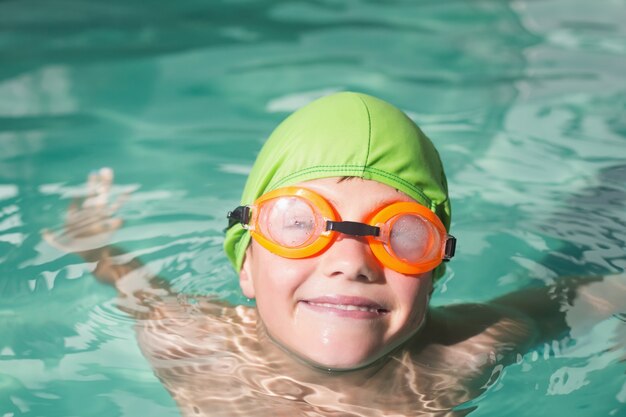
(352, 307)
(346, 307)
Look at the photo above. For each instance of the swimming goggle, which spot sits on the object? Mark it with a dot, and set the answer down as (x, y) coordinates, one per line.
(294, 222)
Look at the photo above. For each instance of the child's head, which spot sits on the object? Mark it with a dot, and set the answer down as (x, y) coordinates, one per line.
(342, 298)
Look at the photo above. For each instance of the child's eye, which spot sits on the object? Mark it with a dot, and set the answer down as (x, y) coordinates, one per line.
(290, 222)
(299, 224)
(295, 231)
(409, 238)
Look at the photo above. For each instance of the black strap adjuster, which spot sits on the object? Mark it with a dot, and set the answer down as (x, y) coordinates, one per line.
(239, 215)
(450, 248)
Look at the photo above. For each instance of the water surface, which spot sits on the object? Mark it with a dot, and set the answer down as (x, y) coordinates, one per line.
(526, 101)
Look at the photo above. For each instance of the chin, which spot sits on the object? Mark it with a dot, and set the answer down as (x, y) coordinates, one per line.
(334, 362)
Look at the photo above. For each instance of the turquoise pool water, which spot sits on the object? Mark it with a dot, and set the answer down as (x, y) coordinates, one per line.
(526, 101)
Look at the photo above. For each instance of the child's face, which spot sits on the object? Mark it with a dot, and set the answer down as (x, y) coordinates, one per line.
(307, 305)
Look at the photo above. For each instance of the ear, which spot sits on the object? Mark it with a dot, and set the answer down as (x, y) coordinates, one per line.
(245, 275)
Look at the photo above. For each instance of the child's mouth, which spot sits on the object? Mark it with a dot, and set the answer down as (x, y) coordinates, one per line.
(353, 307)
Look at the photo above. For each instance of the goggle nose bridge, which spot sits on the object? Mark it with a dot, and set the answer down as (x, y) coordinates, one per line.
(353, 228)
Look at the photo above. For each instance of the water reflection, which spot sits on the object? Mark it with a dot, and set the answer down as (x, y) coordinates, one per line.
(216, 361)
(171, 94)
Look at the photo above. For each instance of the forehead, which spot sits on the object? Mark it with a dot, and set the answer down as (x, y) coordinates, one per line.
(355, 195)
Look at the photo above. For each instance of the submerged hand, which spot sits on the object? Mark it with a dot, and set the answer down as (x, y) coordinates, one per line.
(607, 297)
(598, 301)
(90, 223)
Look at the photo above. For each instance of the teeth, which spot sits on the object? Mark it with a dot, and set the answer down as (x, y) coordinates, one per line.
(346, 307)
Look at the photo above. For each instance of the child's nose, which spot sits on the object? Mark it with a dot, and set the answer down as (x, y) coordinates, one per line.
(351, 258)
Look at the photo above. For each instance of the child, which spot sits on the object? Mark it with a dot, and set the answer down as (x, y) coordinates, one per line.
(340, 237)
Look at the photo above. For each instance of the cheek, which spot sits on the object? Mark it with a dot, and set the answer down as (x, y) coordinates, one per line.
(412, 294)
(276, 278)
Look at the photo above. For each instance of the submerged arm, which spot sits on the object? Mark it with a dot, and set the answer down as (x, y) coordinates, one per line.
(89, 228)
(570, 304)
(139, 290)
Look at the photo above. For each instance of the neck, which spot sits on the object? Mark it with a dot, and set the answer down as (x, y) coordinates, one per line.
(288, 363)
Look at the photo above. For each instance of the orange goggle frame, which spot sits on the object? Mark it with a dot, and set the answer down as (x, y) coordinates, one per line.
(376, 230)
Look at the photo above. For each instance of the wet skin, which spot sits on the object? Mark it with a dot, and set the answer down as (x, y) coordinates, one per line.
(403, 358)
(341, 309)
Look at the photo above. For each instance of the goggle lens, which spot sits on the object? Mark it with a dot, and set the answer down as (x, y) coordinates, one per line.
(288, 221)
(411, 238)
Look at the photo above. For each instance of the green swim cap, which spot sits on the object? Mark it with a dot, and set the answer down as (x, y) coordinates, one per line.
(346, 134)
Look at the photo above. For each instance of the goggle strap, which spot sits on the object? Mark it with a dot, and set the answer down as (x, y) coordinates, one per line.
(239, 215)
(450, 248)
(353, 228)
